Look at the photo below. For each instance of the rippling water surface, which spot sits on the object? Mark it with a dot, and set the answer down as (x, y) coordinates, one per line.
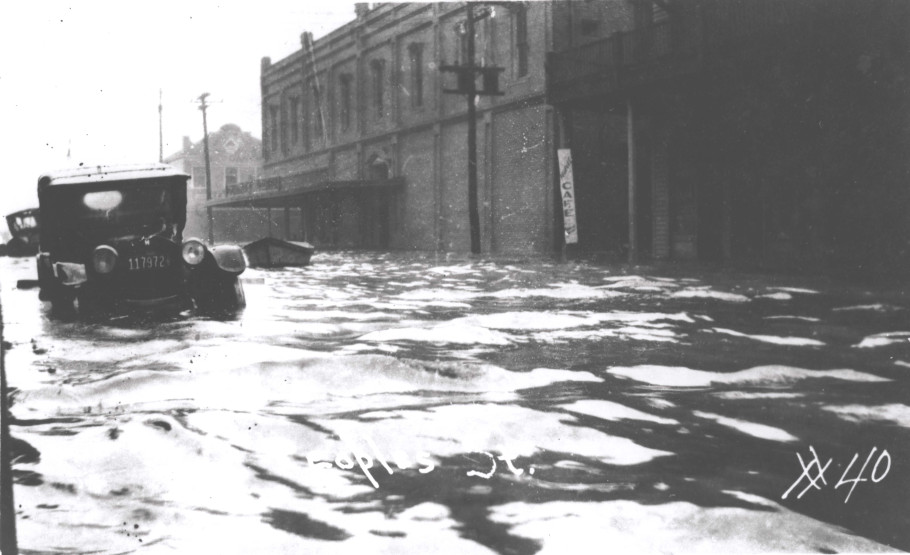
(404, 404)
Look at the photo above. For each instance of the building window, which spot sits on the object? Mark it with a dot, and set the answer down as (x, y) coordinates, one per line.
(415, 52)
(294, 119)
(230, 177)
(345, 82)
(659, 14)
(521, 39)
(589, 27)
(377, 67)
(198, 177)
(283, 126)
(317, 115)
(273, 114)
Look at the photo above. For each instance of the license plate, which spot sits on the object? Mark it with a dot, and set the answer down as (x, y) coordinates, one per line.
(148, 262)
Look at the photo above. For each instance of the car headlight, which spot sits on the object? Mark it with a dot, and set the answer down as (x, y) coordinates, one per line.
(104, 259)
(193, 252)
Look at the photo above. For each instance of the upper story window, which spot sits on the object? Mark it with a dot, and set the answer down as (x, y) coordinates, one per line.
(295, 119)
(415, 54)
(230, 176)
(283, 126)
(346, 89)
(273, 124)
(659, 14)
(589, 27)
(318, 115)
(462, 46)
(198, 177)
(521, 39)
(377, 69)
(649, 12)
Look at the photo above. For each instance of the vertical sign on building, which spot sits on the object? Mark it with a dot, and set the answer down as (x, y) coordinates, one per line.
(567, 195)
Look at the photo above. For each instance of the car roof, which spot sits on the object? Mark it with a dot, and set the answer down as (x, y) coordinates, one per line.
(96, 174)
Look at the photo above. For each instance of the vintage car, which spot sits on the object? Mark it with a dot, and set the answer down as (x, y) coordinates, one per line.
(111, 239)
(23, 226)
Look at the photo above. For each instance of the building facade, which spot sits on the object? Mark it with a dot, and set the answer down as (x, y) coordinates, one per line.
(767, 133)
(235, 161)
(362, 148)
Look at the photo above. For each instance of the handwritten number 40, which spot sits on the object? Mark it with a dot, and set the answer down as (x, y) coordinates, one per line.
(884, 456)
(819, 474)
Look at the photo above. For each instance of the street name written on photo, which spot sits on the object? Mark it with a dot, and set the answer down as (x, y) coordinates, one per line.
(484, 464)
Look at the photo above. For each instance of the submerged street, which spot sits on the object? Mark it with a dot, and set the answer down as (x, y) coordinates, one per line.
(376, 403)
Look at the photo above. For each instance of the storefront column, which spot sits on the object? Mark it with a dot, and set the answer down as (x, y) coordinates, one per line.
(660, 193)
(630, 138)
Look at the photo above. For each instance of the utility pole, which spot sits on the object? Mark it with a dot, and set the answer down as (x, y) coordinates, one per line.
(466, 74)
(208, 170)
(160, 129)
(633, 185)
(473, 215)
(8, 542)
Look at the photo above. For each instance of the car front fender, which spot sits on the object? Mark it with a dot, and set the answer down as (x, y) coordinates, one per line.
(229, 258)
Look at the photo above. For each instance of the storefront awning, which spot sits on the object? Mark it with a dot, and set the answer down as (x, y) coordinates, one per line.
(296, 196)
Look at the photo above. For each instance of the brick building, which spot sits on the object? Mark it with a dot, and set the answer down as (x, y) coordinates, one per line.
(235, 159)
(768, 133)
(363, 149)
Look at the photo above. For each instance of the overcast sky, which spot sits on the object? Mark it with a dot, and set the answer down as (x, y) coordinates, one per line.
(85, 75)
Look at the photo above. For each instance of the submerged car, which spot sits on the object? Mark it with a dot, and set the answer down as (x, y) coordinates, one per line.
(23, 226)
(111, 239)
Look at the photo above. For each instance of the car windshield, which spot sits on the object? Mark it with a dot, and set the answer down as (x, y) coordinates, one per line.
(124, 205)
(24, 222)
(136, 210)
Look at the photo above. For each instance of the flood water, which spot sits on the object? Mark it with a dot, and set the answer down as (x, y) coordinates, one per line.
(376, 403)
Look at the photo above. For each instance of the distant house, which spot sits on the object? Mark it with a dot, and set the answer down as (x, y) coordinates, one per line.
(235, 161)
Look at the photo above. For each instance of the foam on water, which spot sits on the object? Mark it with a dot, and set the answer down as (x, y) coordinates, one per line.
(874, 307)
(896, 413)
(775, 339)
(884, 339)
(699, 293)
(760, 431)
(528, 320)
(512, 431)
(675, 526)
(800, 290)
(793, 317)
(246, 377)
(677, 376)
(608, 410)
(639, 283)
(449, 332)
(565, 291)
(779, 296)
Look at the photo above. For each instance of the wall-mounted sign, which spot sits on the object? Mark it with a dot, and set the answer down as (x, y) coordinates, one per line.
(567, 195)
